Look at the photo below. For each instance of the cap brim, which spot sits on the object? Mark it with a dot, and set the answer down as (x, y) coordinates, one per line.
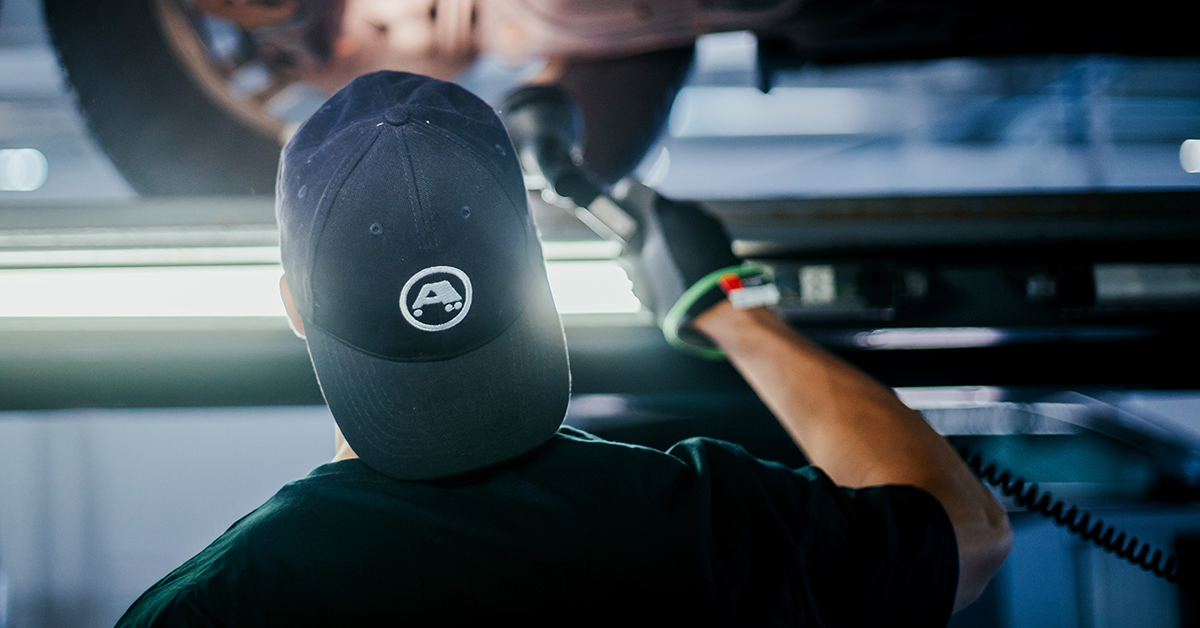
(432, 419)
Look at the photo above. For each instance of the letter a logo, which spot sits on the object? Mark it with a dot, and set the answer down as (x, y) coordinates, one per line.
(439, 292)
(440, 301)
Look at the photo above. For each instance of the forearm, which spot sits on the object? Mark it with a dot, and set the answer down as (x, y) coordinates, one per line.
(859, 432)
(856, 430)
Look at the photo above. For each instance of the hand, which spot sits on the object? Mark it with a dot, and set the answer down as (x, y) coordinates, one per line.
(681, 244)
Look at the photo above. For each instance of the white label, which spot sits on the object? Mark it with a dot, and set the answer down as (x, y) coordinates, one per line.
(754, 296)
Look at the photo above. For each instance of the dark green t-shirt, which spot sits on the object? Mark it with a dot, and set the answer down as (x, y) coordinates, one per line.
(578, 531)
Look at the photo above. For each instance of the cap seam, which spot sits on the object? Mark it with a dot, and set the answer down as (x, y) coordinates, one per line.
(326, 207)
(485, 160)
(420, 217)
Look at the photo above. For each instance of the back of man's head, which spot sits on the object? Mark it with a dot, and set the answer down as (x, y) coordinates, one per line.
(415, 266)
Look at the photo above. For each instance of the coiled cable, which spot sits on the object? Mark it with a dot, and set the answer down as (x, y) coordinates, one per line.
(1078, 521)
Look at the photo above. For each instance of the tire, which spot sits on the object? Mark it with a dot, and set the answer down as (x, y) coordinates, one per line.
(161, 129)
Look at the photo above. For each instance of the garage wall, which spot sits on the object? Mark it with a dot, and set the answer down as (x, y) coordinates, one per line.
(97, 505)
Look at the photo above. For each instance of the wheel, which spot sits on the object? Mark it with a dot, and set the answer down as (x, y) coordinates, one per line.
(149, 107)
(163, 88)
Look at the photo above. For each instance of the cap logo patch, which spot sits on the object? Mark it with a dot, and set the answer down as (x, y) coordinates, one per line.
(436, 298)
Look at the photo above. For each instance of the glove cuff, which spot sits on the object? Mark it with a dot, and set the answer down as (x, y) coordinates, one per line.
(747, 285)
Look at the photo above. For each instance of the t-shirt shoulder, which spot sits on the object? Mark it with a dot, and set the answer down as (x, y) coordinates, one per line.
(882, 555)
(776, 542)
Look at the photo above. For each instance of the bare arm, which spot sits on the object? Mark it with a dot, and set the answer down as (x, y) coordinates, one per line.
(860, 433)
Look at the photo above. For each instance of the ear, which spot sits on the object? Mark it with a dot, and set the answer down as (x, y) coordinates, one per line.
(285, 293)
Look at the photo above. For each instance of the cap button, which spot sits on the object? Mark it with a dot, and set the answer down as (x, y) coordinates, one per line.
(396, 115)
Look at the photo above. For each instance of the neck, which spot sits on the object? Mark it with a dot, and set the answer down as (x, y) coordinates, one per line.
(343, 450)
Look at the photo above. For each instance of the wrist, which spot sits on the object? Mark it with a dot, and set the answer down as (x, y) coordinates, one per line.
(745, 286)
(725, 324)
(717, 318)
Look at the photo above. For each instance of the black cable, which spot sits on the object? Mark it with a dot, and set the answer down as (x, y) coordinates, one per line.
(1077, 521)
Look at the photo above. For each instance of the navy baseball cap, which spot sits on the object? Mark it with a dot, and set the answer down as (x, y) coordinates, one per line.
(415, 266)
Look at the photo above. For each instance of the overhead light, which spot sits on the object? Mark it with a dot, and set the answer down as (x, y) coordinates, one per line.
(1189, 155)
(929, 397)
(727, 52)
(580, 250)
(22, 169)
(745, 111)
(181, 256)
(152, 247)
(1146, 283)
(593, 287)
(929, 338)
(579, 287)
(177, 291)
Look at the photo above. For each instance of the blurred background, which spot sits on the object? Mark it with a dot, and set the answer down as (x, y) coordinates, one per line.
(1010, 240)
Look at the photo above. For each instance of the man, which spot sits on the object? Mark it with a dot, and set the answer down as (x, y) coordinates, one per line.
(414, 272)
